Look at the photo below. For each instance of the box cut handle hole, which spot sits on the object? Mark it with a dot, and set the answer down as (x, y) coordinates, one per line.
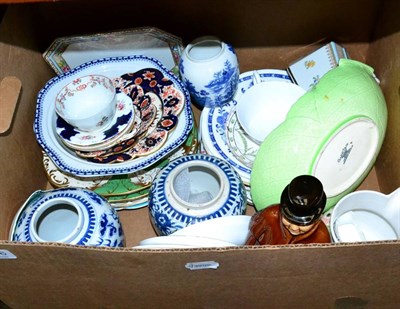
(10, 88)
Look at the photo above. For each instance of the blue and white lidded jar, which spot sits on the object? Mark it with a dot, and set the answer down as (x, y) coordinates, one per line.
(209, 69)
(194, 188)
(69, 215)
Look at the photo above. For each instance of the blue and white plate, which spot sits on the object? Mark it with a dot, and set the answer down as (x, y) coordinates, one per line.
(66, 159)
(213, 121)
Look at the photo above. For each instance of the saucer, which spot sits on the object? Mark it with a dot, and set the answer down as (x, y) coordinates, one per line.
(157, 87)
(240, 144)
(213, 121)
(232, 229)
(122, 191)
(185, 241)
(148, 112)
(77, 139)
(142, 148)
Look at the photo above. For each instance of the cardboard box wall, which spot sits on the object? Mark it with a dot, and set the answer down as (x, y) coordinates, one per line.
(266, 34)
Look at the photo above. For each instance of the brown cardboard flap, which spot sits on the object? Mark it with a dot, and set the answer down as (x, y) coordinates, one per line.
(257, 277)
(10, 88)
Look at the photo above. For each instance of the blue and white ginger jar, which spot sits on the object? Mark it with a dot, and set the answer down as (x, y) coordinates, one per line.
(194, 188)
(209, 69)
(69, 215)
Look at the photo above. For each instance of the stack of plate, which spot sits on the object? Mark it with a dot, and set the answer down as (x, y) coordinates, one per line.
(222, 135)
(227, 231)
(153, 123)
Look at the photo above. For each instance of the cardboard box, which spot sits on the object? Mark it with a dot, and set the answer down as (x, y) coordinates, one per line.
(266, 34)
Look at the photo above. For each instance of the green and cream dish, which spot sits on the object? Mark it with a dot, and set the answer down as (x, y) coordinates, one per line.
(333, 132)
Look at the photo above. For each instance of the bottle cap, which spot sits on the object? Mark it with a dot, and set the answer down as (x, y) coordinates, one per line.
(303, 200)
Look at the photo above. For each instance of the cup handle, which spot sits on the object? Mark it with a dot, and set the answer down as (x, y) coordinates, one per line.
(392, 210)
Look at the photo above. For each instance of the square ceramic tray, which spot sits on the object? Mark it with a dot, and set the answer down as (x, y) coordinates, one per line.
(66, 53)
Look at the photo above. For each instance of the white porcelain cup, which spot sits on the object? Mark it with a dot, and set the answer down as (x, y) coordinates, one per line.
(366, 216)
(88, 103)
(264, 106)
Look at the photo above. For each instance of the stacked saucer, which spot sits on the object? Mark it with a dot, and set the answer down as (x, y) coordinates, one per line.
(128, 191)
(152, 122)
(221, 132)
(140, 126)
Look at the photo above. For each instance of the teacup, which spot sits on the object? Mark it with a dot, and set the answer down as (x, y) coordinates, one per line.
(88, 103)
(264, 106)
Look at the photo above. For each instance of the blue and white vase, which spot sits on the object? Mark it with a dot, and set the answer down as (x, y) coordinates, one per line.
(194, 188)
(209, 69)
(69, 215)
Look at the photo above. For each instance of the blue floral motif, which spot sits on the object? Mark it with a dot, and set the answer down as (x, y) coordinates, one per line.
(163, 213)
(101, 226)
(224, 83)
(163, 222)
(95, 197)
(221, 120)
(21, 219)
(219, 90)
(181, 67)
(230, 47)
(17, 237)
(109, 232)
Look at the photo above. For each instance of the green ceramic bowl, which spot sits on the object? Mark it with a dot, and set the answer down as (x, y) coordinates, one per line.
(334, 132)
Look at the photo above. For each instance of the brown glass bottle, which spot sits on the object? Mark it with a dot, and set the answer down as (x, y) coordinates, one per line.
(296, 220)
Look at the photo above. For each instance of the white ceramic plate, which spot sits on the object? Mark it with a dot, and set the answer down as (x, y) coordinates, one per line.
(213, 121)
(185, 241)
(232, 229)
(240, 144)
(66, 160)
(66, 53)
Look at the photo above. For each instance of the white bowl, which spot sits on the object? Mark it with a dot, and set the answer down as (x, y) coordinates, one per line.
(264, 106)
(232, 229)
(366, 216)
(87, 103)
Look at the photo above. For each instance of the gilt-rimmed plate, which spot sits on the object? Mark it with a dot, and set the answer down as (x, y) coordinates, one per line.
(240, 144)
(155, 86)
(148, 114)
(66, 53)
(67, 160)
(121, 191)
(213, 121)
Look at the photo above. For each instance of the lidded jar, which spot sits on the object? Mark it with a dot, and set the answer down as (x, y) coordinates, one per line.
(194, 188)
(69, 215)
(209, 69)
